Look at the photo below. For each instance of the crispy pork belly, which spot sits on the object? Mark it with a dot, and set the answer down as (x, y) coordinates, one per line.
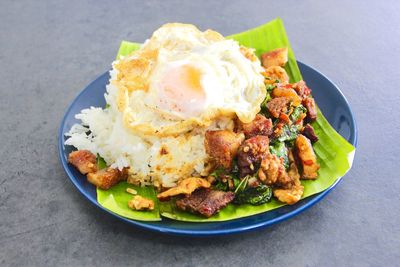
(186, 186)
(277, 73)
(278, 106)
(83, 160)
(309, 103)
(222, 146)
(259, 126)
(205, 201)
(107, 177)
(276, 57)
(287, 187)
(287, 92)
(302, 89)
(308, 131)
(251, 153)
(307, 157)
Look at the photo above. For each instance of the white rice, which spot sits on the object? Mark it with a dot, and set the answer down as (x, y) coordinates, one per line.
(120, 148)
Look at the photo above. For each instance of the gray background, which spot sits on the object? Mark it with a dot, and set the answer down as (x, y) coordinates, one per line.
(50, 50)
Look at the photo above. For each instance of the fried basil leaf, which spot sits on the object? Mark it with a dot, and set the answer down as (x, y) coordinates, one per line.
(254, 195)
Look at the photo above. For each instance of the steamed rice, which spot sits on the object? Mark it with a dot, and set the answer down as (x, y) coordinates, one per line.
(152, 160)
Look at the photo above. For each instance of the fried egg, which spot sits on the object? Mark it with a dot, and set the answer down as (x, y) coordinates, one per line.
(182, 78)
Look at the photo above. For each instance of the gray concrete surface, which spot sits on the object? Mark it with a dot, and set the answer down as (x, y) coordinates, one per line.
(49, 51)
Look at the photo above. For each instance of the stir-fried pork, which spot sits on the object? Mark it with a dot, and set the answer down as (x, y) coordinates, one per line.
(83, 160)
(278, 106)
(287, 92)
(205, 201)
(309, 103)
(302, 89)
(277, 73)
(107, 177)
(259, 126)
(222, 146)
(307, 157)
(293, 192)
(277, 57)
(251, 153)
(308, 131)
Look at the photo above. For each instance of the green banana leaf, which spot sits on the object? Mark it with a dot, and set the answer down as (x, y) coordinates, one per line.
(334, 153)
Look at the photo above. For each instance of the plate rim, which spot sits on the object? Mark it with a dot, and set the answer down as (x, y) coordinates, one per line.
(212, 232)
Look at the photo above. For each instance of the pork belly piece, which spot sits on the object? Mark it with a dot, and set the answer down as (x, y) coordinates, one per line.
(308, 159)
(309, 103)
(282, 91)
(308, 131)
(222, 146)
(292, 191)
(302, 89)
(205, 202)
(83, 160)
(251, 153)
(106, 178)
(278, 106)
(186, 186)
(277, 73)
(141, 203)
(276, 57)
(259, 126)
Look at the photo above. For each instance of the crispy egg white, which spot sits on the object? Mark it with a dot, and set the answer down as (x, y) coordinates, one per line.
(183, 78)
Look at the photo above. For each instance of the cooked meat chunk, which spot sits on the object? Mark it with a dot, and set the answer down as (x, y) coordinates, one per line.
(277, 73)
(186, 186)
(302, 89)
(259, 126)
(277, 57)
(307, 157)
(278, 106)
(309, 103)
(205, 201)
(222, 146)
(292, 191)
(290, 195)
(251, 153)
(83, 160)
(308, 131)
(272, 172)
(287, 92)
(107, 177)
(141, 203)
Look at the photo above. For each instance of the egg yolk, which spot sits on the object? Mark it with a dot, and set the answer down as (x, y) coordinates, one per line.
(182, 91)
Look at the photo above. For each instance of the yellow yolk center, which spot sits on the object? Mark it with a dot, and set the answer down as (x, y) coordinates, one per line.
(181, 90)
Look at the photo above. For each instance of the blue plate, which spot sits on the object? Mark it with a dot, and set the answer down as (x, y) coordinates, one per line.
(331, 101)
